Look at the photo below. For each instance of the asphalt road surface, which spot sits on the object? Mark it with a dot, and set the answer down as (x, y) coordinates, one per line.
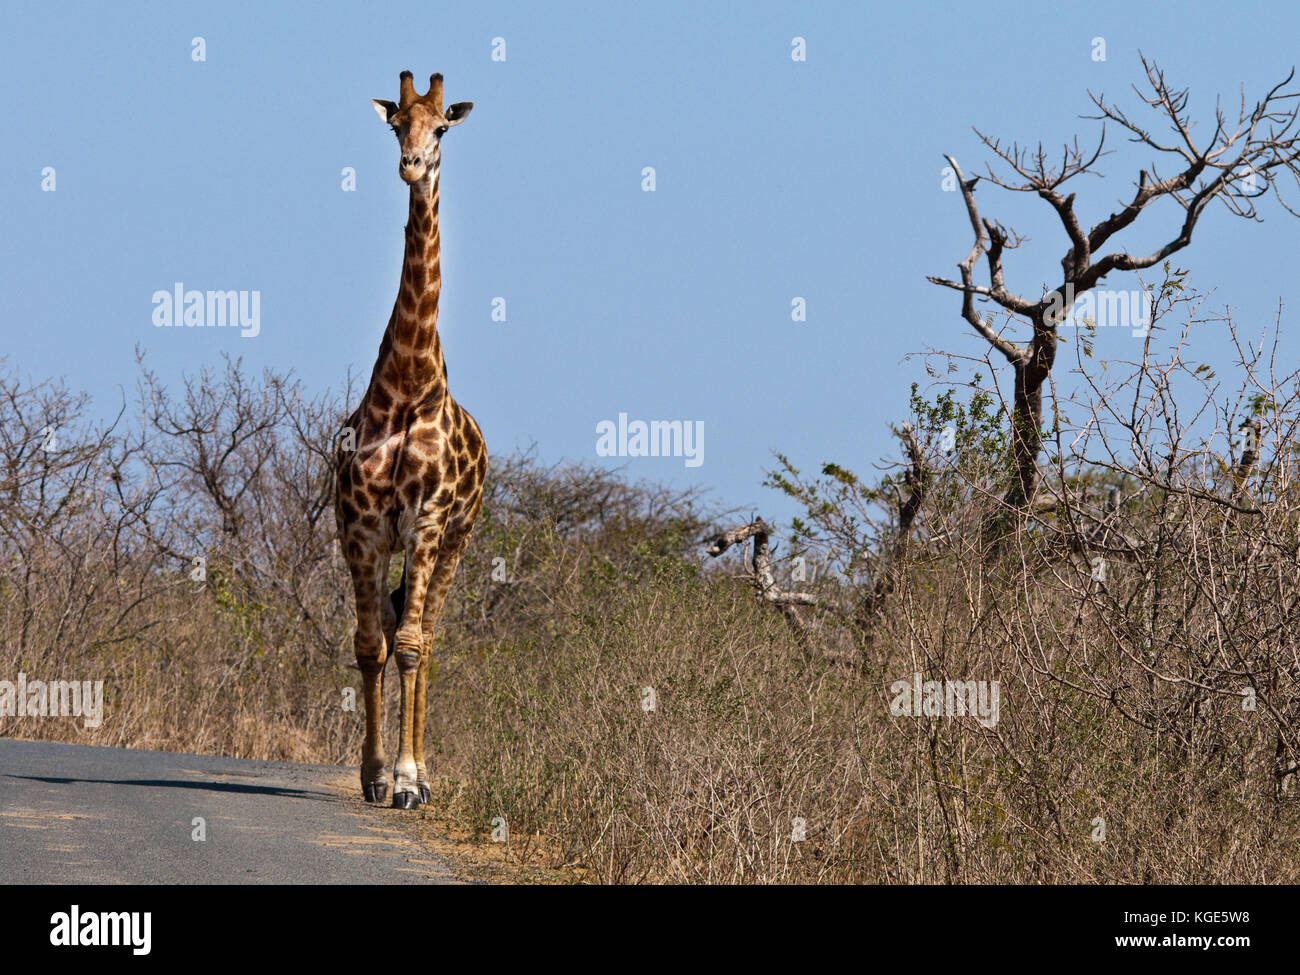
(79, 815)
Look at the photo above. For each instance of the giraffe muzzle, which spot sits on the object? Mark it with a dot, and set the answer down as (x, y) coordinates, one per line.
(412, 168)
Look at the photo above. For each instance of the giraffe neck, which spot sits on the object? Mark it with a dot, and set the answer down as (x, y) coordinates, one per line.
(410, 360)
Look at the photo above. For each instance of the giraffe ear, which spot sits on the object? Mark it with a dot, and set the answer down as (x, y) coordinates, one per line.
(384, 109)
(455, 114)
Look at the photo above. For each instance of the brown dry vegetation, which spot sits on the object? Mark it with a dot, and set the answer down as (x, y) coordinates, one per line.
(1121, 697)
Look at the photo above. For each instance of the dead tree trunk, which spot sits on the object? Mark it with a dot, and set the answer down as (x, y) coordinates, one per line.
(916, 477)
(760, 571)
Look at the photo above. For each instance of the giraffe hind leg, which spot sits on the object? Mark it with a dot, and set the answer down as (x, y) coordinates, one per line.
(371, 645)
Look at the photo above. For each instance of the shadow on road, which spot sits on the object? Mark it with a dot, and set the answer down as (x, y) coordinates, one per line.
(262, 790)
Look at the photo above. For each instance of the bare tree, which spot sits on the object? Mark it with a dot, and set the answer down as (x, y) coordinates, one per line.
(1238, 164)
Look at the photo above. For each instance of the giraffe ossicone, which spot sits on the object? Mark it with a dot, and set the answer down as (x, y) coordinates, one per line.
(409, 476)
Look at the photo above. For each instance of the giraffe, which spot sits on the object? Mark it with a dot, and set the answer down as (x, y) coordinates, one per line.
(410, 475)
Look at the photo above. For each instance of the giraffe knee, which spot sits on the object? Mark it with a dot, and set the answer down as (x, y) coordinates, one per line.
(371, 651)
(408, 648)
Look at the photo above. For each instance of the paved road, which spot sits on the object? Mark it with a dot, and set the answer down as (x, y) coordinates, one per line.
(80, 815)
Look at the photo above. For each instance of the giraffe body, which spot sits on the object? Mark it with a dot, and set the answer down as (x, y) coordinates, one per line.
(410, 478)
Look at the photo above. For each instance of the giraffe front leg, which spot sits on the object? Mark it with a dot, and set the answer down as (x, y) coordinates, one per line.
(455, 540)
(406, 774)
(417, 733)
(412, 658)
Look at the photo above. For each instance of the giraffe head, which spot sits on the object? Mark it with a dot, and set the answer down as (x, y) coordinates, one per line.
(419, 122)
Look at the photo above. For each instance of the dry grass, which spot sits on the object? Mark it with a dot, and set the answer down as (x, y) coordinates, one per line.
(769, 756)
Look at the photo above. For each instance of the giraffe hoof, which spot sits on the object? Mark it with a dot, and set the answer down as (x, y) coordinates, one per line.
(405, 800)
(425, 793)
(375, 791)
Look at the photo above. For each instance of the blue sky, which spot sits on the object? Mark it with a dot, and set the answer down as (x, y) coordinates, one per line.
(774, 180)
